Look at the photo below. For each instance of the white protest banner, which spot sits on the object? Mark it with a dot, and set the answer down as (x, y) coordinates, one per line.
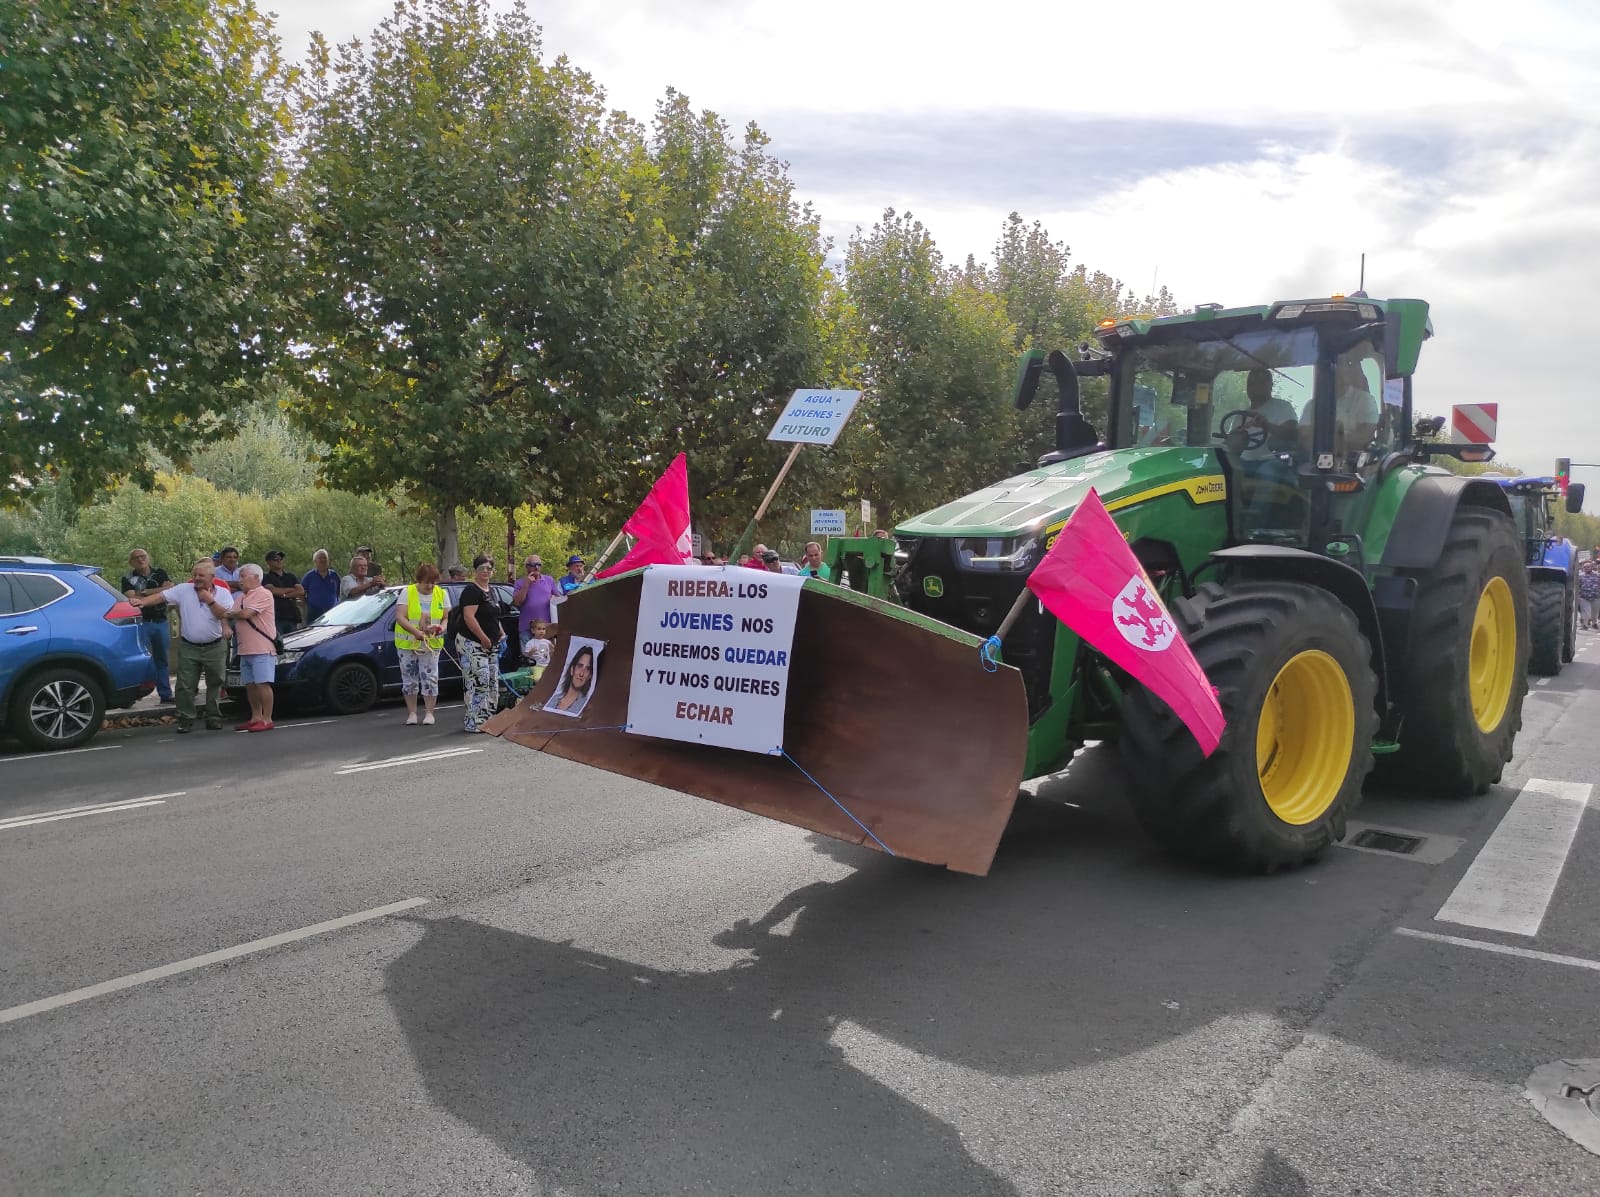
(814, 417)
(711, 656)
(827, 523)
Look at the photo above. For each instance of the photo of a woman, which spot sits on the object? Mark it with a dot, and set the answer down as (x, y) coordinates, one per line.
(577, 678)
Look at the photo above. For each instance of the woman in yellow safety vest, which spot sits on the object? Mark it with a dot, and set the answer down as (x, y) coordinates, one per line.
(418, 637)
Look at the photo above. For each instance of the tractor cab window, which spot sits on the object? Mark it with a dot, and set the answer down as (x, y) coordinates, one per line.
(1367, 413)
(1206, 393)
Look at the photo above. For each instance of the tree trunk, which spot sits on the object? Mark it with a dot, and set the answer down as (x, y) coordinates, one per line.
(511, 543)
(446, 538)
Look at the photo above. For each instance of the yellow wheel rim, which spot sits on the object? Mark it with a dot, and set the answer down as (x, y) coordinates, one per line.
(1305, 737)
(1492, 658)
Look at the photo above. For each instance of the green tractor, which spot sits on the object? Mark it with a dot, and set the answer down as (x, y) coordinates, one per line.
(1351, 602)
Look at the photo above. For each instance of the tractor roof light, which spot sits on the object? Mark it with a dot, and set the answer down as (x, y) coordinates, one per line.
(1108, 323)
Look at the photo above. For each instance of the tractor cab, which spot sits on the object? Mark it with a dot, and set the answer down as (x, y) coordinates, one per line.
(1306, 403)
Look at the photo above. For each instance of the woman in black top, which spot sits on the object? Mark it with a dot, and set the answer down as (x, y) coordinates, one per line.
(478, 644)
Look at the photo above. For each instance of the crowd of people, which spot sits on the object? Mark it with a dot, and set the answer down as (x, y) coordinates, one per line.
(232, 610)
(226, 609)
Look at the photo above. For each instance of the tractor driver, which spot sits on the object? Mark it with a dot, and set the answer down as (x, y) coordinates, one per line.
(1355, 407)
(1273, 415)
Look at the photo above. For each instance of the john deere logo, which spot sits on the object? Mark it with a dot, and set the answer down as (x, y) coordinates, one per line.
(933, 587)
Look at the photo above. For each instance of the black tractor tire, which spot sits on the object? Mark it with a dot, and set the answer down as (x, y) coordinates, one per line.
(57, 708)
(1443, 748)
(1215, 810)
(352, 688)
(1569, 621)
(1547, 605)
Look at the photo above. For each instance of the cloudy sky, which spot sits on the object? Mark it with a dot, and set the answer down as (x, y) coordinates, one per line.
(1235, 152)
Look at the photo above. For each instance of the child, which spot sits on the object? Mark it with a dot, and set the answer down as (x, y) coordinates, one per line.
(538, 647)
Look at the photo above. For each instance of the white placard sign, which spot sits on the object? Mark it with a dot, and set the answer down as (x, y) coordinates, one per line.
(711, 656)
(827, 523)
(814, 417)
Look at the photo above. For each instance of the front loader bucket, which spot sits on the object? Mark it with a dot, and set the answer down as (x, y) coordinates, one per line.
(891, 712)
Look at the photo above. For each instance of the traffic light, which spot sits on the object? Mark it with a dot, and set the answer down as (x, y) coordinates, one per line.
(1563, 472)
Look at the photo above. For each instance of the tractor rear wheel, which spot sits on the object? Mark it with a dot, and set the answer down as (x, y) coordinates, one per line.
(1569, 622)
(1294, 675)
(1547, 608)
(1464, 674)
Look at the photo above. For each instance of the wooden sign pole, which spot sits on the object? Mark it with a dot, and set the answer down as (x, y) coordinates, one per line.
(766, 501)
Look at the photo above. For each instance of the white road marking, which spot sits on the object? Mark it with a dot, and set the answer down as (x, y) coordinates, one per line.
(1511, 881)
(72, 997)
(1502, 949)
(78, 812)
(307, 723)
(29, 756)
(418, 758)
(1543, 681)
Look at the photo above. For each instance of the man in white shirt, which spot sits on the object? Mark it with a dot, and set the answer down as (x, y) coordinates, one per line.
(1355, 408)
(203, 637)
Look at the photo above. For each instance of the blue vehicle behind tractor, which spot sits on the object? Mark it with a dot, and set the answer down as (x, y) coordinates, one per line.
(1552, 568)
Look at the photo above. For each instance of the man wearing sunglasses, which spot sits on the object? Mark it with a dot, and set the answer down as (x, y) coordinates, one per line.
(532, 596)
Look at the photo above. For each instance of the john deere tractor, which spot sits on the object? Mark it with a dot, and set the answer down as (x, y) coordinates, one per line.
(1349, 600)
(1552, 568)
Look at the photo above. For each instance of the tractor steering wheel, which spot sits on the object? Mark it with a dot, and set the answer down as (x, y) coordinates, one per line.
(1246, 422)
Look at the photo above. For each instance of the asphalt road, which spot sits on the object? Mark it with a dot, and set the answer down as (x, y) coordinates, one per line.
(600, 987)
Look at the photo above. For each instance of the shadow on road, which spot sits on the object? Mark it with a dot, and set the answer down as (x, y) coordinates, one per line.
(1081, 947)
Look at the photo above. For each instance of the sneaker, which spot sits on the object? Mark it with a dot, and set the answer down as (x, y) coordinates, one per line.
(266, 725)
(184, 727)
(213, 725)
(411, 719)
(428, 719)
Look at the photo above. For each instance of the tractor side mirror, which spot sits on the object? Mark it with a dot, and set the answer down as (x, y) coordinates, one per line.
(1066, 381)
(1574, 497)
(1028, 371)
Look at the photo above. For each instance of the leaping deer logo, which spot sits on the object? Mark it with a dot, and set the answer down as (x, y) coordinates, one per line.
(1141, 618)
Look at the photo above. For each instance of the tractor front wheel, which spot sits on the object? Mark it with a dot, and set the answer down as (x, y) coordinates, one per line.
(1461, 683)
(1295, 679)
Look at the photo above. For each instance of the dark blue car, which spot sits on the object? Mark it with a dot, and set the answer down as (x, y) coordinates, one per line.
(346, 661)
(70, 647)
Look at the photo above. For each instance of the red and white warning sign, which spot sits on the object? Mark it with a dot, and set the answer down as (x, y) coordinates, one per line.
(1474, 423)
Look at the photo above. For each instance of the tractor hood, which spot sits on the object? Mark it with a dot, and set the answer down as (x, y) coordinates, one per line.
(1030, 502)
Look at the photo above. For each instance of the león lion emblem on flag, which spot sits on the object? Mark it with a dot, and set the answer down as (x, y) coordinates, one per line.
(1140, 617)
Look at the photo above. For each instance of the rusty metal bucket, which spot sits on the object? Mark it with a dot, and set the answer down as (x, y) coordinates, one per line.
(889, 711)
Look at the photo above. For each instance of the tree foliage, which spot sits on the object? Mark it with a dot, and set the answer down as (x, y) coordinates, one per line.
(478, 287)
(141, 223)
(757, 314)
(937, 360)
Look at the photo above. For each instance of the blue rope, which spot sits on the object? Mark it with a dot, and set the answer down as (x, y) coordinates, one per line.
(889, 851)
(989, 654)
(561, 731)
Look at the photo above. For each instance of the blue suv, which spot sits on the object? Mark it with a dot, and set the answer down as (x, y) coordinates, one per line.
(70, 646)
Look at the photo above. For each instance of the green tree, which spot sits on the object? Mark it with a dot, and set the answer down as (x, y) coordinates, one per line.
(759, 315)
(1056, 304)
(266, 456)
(142, 224)
(938, 362)
(479, 289)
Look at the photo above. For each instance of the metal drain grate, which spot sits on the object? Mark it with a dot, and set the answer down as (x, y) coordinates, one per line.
(1386, 841)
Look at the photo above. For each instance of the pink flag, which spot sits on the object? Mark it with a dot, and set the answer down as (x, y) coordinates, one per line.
(660, 526)
(1091, 581)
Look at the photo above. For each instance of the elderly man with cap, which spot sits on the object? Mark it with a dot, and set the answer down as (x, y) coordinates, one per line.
(532, 596)
(574, 575)
(286, 592)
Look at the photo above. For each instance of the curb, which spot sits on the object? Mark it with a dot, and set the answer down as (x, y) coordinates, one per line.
(152, 716)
